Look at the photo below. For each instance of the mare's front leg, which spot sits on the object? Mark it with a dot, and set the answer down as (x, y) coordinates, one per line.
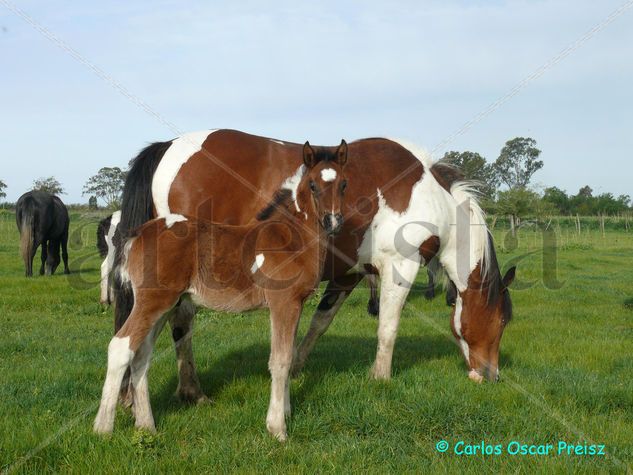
(335, 294)
(396, 280)
(284, 317)
(181, 322)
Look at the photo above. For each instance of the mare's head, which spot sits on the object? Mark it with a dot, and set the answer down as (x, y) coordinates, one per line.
(480, 314)
(323, 184)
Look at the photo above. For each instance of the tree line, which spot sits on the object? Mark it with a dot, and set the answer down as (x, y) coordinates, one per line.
(503, 184)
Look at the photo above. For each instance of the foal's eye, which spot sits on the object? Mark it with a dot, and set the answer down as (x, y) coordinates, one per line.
(313, 187)
(343, 186)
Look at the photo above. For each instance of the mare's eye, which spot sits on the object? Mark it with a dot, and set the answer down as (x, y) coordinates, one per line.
(313, 187)
(343, 185)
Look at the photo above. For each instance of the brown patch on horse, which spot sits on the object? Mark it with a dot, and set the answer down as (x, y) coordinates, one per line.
(429, 248)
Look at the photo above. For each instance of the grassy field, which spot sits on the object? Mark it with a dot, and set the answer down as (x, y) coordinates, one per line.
(566, 376)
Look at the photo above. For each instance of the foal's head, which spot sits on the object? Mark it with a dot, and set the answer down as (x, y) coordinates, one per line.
(323, 185)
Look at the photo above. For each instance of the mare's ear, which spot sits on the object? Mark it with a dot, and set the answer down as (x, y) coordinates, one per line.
(341, 153)
(509, 277)
(308, 155)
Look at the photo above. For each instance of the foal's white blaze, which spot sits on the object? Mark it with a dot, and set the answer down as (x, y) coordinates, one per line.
(328, 174)
(170, 219)
(457, 322)
(292, 183)
(180, 150)
(259, 261)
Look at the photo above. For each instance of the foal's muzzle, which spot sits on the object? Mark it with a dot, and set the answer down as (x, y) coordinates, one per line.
(332, 223)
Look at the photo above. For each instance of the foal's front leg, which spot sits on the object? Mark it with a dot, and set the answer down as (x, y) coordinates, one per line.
(284, 318)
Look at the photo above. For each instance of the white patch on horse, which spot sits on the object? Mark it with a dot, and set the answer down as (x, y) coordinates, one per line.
(457, 323)
(278, 141)
(259, 262)
(124, 274)
(171, 218)
(292, 183)
(180, 150)
(328, 174)
(108, 262)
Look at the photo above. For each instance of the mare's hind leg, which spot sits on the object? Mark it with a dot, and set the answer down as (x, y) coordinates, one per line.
(396, 279)
(335, 294)
(64, 244)
(284, 317)
(181, 322)
(139, 368)
(44, 256)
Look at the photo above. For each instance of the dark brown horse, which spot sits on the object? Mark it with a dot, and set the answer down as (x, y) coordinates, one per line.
(42, 219)
(276, 263)
(401, 210)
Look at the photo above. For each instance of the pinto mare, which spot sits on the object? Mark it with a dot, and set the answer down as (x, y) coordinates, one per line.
(396, 192)
(105, 234)
(229, 268)
(42, 219)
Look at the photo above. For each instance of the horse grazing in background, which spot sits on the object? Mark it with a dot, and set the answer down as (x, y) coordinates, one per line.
(42, 219)
(401, 210)
(105, 234)
(275, 263)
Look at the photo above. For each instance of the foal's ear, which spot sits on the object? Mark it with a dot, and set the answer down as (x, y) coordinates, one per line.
(509, 277)
(341, 153)
(308, 155)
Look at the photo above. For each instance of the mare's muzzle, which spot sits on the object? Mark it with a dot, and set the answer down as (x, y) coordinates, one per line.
(332, 223)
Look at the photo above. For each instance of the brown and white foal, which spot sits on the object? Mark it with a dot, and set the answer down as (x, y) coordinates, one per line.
(276, 262)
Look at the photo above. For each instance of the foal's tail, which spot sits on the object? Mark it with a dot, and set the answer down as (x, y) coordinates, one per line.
(137, 207)
(27, 222)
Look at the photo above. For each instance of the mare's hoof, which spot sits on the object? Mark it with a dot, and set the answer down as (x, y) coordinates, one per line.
(193, 397)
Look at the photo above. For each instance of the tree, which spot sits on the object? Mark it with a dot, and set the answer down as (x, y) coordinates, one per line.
(3, 187)
(107, 184)
(517, 162)
(557, 198)
(585, 192)
(92, 202)
(50, 185)
(475, 168)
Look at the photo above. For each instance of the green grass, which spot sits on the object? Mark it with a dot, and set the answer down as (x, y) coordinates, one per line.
(566, 375)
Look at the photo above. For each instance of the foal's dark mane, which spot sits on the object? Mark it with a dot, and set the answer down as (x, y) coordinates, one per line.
(447, 175)
(281, 200)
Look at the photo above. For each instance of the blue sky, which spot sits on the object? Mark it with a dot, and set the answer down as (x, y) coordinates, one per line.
(298, 70)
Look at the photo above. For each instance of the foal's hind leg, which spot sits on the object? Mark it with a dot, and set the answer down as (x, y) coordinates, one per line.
(119, 358)
(139, 368)
(148, 310)
(181, 322)
(335, 294)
